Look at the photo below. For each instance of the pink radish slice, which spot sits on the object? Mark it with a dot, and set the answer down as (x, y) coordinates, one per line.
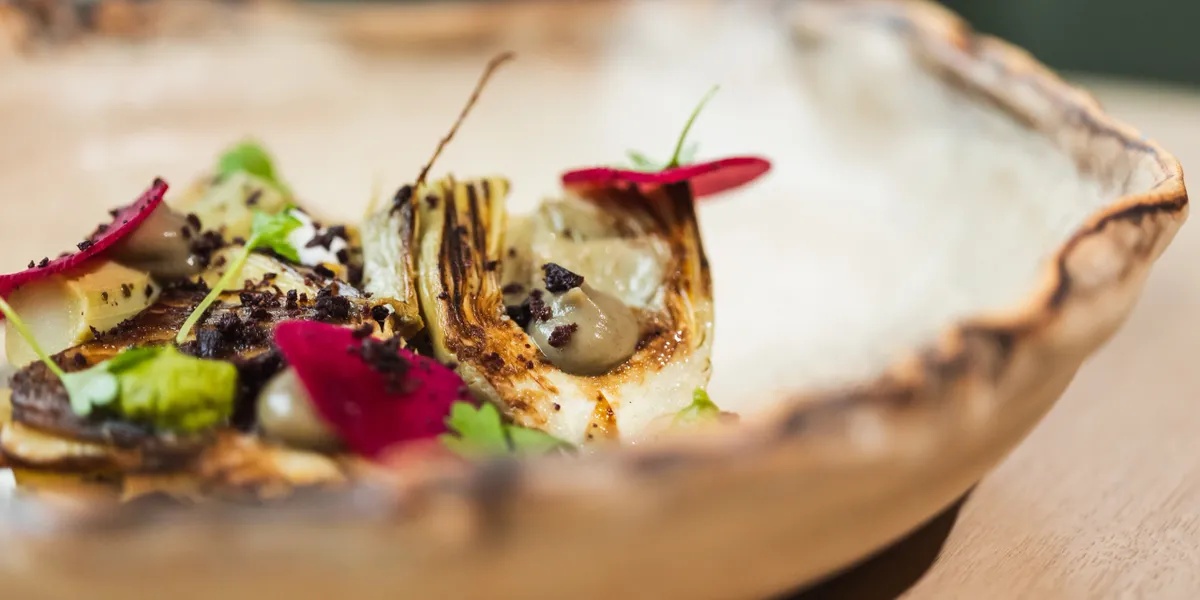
(706, 178)
(125, 221)
(369, 413)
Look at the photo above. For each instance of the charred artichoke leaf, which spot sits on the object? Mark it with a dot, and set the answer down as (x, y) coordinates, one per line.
(462, 252)
(389, 261)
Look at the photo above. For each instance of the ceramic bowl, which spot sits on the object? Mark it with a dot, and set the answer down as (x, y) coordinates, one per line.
(949, 232)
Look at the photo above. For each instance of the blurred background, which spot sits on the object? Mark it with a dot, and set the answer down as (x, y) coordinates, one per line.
(1148, 39)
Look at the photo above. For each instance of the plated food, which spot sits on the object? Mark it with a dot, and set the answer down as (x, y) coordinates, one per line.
(227, 343)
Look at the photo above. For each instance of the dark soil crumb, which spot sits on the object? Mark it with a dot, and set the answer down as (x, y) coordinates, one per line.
(537, 308)
(512, 288)
(324, 271)
(491, 265)
(84, 245)
(331, 307)
(292, 297)
(379, 314)
(384, 358)
(204, 245)
(559, 279)
(561, 336)
(45, 262)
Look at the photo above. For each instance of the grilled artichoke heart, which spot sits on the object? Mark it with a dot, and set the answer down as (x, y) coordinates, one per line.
(643, 249)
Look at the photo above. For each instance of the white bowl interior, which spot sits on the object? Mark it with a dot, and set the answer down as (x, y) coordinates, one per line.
(897, 205)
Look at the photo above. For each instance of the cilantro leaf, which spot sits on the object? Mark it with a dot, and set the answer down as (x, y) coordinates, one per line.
(701, 410)
(533, 441)
(250, 157)
(271, 231)
(89, 388)
(268, 231)
(480, 431)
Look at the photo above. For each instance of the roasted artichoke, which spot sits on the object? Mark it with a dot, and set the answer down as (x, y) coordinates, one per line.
(619, 253)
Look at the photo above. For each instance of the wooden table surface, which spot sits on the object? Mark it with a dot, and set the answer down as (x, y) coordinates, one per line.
(1103, 499)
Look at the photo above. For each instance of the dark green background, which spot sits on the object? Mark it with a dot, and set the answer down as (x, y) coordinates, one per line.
(1148, 39)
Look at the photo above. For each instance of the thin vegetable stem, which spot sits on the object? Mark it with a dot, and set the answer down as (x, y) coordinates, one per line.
(688, 126)
(27, 335)
(235, 269)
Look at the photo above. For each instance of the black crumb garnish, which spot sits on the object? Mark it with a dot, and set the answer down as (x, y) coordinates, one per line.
(220, 261)
(270, 276)
(330, 307)
(519, 314)
(561, 336)
(559, 279)
(260, 314)
(239, 241)
(354, 274)
(127, 289)
(343, 256)
(557, 407)
(95, 332)
(384, 358)
(537, 308)
(379, 314)
(513, 288)
(80, 360)
(204, 245)
(254, 197)
(149, 291)
(31, 264)
(84, 245)
(431, 201)
(227, 335)
(363, 331)
(256, 299)
(104, 296)
(324, 271)
(45, 262)
(512, 252)
(325, 238)
(491, 265)
(443, 295)
(113, 212)
(193, 221)
(292, 296)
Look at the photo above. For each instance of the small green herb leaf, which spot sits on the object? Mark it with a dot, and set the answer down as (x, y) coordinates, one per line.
(271, 231)
(701, 410)
(268, 231)
(642, 162)
(480, 431)
(684, 152)
(250, 157)
(90, 388)
(533, 441)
